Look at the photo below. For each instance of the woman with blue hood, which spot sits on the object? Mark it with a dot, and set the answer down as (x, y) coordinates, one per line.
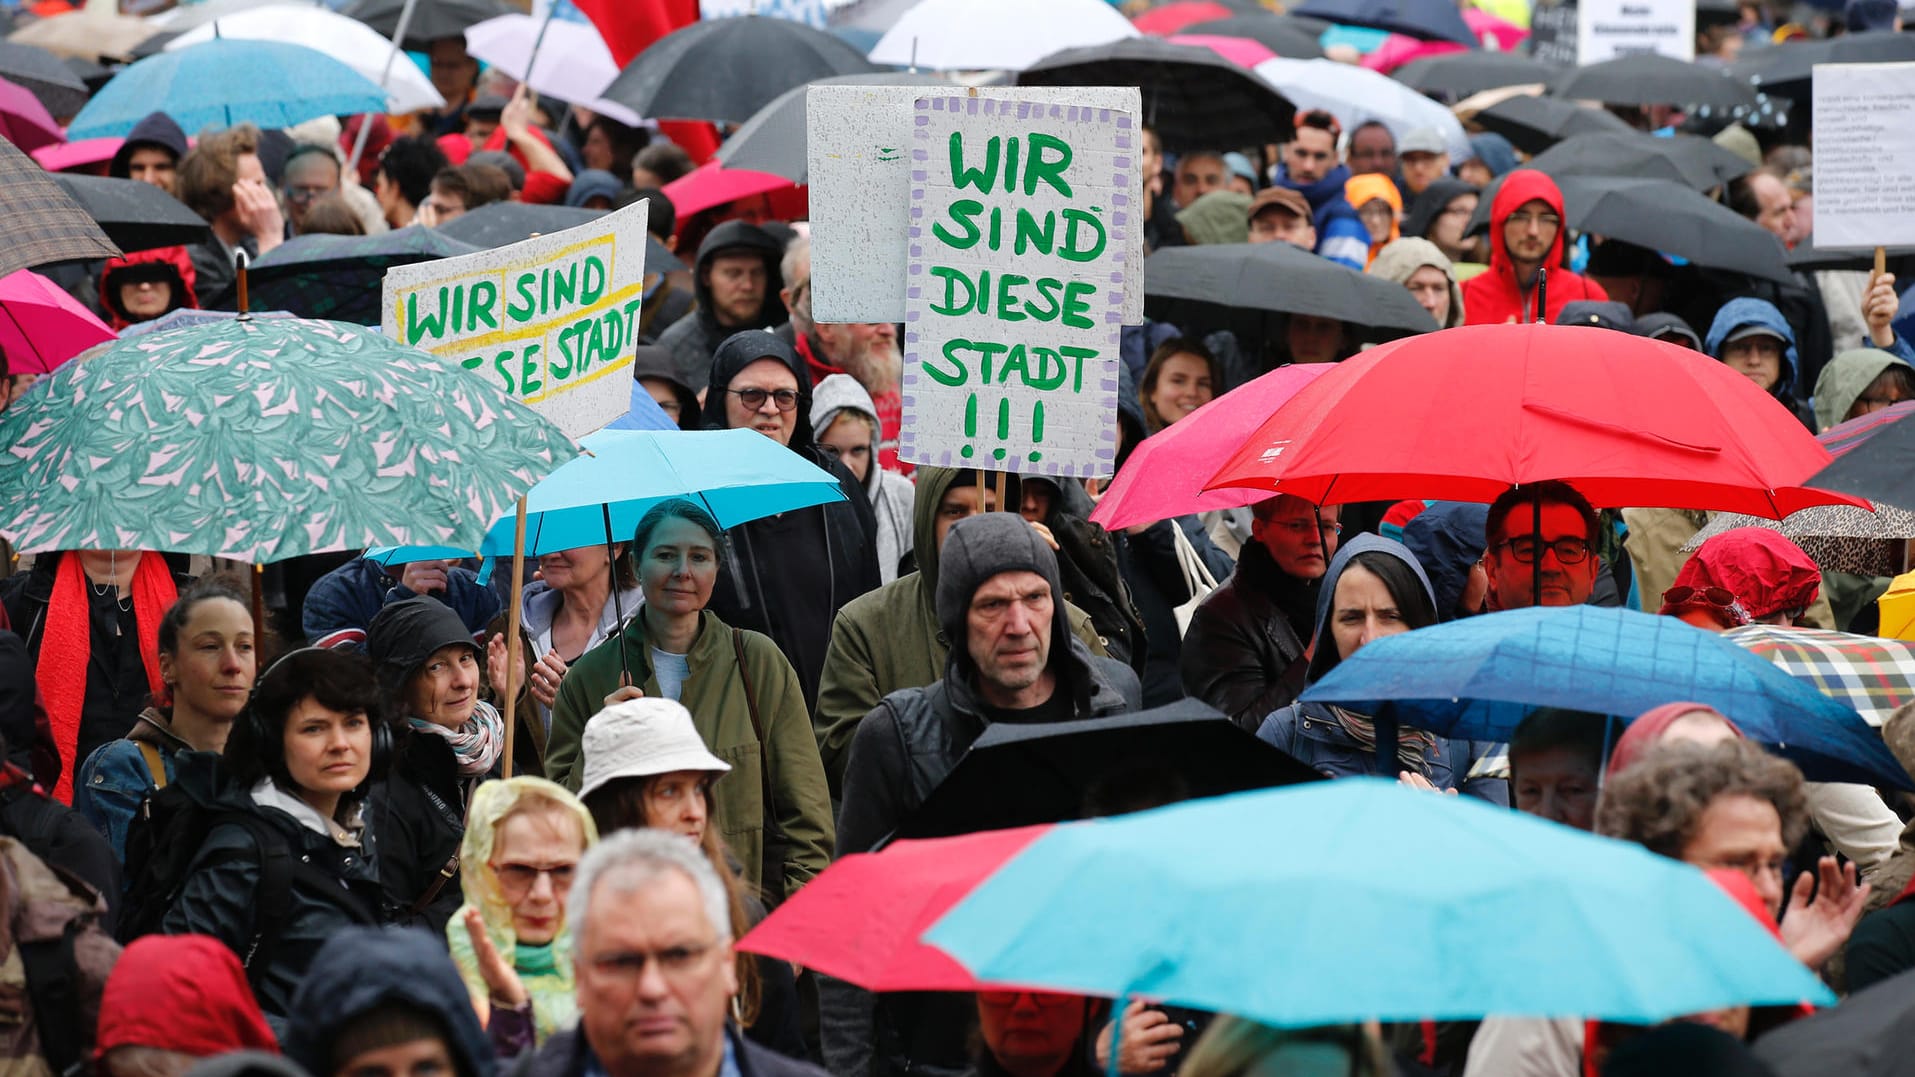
(1374, 588)
(386, 999)
(1754, 340)
(1448, 538)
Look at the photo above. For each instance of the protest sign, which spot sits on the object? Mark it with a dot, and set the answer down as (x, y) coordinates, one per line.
(857, 137)
(552, 321)
(1020, 212)
(1552, 32)
(1608, 29)
(1864, 182)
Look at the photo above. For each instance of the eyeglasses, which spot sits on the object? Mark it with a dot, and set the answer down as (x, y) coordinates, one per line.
(674, 962)
(755, 398)
(306, 194)
(1720, 597)
(1540, 220)
(1305, 527)
(1044, 999)
(517, 880)
(1526, 549)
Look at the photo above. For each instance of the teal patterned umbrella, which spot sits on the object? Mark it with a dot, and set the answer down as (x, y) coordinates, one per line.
(263, 440)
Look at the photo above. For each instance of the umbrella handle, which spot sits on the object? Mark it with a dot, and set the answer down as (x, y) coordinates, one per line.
(240, 264)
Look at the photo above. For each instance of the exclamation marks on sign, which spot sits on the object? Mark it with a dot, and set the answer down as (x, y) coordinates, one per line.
(970, 424)
(1003, 427)
(1037, 427)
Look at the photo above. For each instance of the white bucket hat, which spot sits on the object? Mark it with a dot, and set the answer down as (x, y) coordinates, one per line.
(638, 738)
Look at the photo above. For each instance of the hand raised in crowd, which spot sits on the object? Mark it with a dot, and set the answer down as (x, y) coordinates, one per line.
(1814, 930)
(259, 213)
(1879, 304)
(495, 659)
(424, 577)
(1150, 1040)
(501, 982)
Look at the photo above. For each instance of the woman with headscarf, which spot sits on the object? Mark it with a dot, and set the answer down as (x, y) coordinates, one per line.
(523, 841)
(1380, 206)
(447, 742)
(1751, 337)
(848, 427)
(1373, 588)
(1858, 382)
(1421, 267)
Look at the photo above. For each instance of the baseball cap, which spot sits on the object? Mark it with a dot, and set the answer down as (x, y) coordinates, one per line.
(1280, 197)
(1422, 140)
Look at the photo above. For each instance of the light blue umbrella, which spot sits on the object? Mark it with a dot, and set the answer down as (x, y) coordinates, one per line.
(737, 475)
(644, 414)
(387, 556)
(1478, 677)
(224, 82)
(1340, 901)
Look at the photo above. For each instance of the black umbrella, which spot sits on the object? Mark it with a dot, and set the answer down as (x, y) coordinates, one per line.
(1429, 20)
(1785, 69)
(1460, 74)
(41, 74)
(724, 70)
(1662, 215)
(775, 139)
(40, 223)
(1809, 258)
(135, 216)
(1871, 1034)
(1236, 286)
(1019, 774)
(1881, 468)
(1647, 78)
(500, 224)
(1192, 97)
(1288, 36)
(431, 19)
(339, 277)
(1533, 124)
(91, 74)
(1689, 160)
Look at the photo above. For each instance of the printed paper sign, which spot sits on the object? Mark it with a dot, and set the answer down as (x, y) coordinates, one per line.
(552, 321)
(1020, 212)
(856, 140)
(1607, 29)
(1864, 155)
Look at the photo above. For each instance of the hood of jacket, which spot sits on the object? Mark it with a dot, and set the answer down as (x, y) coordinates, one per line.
(406, 633)
(185, 993)
(592, 183)
(1844, 380)
(840, 393)
(1495, 151)
(933, 483)
(1400, 259)
(1520, 186)
(1368, 187)
(155, 129)
(1447, 539)
(1766, 571)
(174, 264)
(739, 237)
(1738, 313)
(1217, 217)
(654, 361)
(1657, 323)
(1325, 657)
(365, 969)
(1433, 200)
(980, 547)
(740, 350)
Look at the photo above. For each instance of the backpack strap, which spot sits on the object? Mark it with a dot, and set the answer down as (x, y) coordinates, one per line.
(447, 873)
(272, 898)
(53, 984)
(155, 763)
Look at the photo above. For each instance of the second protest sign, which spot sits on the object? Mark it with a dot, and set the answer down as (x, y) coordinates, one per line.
(1015, 287)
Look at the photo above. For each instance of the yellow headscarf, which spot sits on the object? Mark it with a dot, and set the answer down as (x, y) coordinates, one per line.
(1367, 188)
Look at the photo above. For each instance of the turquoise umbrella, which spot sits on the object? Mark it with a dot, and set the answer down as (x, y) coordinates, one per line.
(1341, 901)
(223, 82)
(265, 439)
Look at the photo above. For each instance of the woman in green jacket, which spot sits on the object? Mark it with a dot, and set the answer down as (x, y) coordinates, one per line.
(773, 808)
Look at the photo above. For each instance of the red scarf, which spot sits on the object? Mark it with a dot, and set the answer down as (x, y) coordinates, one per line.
(66, 647)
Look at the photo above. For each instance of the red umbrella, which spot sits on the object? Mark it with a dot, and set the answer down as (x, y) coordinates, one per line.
(1465, 414)
(1166, 19)
(712, 184)
(860, 919)
(41, 326)
(89, 155)
(1165, 475)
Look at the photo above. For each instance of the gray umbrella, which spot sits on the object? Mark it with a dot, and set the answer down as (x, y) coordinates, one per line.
(503, 223)
(43, 75)
(1810, 258)
(1533, 124)
(1292, 37)
(1236, 286)
(775, 141)
(1785, 69)
(1662, 215)
(1460, 74)
(431, 19)
(1193, 97)
(136, 216)
(1647, 78)
(1694, 162)
(725, 70)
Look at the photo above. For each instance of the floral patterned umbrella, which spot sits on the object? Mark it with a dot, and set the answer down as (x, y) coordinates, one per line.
(263, 440)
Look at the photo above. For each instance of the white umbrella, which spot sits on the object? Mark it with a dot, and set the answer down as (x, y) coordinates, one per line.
(349, 41)
(573, 63)
(1357, 95)
(1008, 35)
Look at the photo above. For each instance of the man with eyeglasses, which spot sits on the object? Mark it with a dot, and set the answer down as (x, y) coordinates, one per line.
(655, 971)
(1245, 650)
(1545, 531)
(1526, 232)
(311, 173)
(788, 575)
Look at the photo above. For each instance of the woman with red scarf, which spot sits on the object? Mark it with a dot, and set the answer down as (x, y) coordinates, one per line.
(91, 621)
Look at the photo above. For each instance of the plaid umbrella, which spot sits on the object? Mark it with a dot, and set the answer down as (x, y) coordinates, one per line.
(1873, 675)
(38, 222)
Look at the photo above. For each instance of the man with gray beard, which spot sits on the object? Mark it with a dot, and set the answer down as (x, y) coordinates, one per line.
(868, 351)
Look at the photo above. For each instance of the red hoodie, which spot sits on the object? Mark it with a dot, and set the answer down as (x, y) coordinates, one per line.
(175, 257)
(184, 993)
(1493, 297)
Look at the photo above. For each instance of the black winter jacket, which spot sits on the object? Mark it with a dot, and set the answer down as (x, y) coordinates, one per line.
(1242, 654)
(418, 817)
(566, 1054)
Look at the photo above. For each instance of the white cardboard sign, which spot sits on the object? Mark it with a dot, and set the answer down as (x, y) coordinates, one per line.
(859, 137)
(1864, 155)
(1608, 29)
(552, 321)
(1020, 212)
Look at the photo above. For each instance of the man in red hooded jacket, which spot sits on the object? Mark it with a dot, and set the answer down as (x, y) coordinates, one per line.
(1526, 234)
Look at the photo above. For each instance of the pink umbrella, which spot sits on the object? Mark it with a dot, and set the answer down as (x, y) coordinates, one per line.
(1241, 51)
(1400, 49)
(712, 184)
(1165, 476)
(41, 326)
(82, 156)
(24, 120)
(1166, 19)
(1494, 32)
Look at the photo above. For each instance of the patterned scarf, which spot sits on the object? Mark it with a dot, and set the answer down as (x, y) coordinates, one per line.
(477, 744)
(66, 648)
(1413, 746)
